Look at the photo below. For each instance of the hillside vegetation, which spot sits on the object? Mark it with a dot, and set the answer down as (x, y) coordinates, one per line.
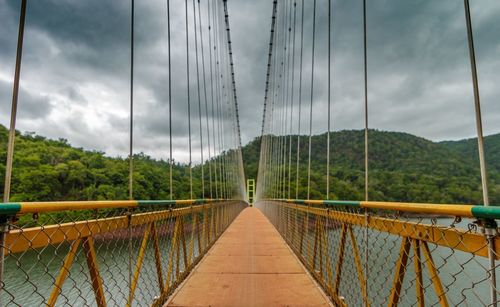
(403, 167)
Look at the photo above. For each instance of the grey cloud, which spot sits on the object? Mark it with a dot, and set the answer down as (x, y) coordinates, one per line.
(33, 106)
(75, 72)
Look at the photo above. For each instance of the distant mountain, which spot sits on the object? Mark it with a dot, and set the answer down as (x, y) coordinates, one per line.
(402, 167)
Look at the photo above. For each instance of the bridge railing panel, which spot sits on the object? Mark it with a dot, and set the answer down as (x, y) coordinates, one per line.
(371, 254)
(105, 253)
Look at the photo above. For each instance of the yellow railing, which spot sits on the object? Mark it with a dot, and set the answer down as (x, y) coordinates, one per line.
(106, 253)
(359, 252)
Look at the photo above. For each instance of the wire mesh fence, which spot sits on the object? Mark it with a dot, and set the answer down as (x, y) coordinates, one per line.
(381, 257)
(133, 255)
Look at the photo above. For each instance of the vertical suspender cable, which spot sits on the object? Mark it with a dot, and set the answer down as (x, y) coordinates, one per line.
(288, 138)
(131, 140)
(300, 100)
(366, 98)
(284, 99)
(219, 97)
(311, 103)
(212, 76)
(171, 192)
(491, 230)
(232, 81)
(292, 101)
(477, 104)
(199, 100)
(15, 96)
(206, 103)
(329, 100)
(12, 135)
(188, 103)
(262, 181)
(365, 58)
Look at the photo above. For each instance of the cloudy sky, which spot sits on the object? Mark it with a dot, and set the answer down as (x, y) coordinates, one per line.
(75, 73)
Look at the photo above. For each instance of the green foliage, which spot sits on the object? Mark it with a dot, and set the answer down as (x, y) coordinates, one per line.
(402, 167)
(51, 170)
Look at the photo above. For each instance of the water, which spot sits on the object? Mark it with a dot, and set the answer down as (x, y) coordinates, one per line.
(463, 275)
(29, 276)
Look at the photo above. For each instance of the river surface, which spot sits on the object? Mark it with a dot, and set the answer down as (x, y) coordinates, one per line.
(29, 276)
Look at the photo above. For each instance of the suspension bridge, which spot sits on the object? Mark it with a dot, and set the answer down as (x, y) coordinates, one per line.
(219, 239)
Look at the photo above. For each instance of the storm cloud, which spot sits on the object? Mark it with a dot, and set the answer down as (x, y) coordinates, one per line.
(75, 71)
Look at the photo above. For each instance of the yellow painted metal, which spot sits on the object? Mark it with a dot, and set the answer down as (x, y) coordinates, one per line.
(454, 238)
(206, 229)
(82, 233)
(312, 258)
(88, 247)
(37, 237)
(63, 273)
(183, 242)
(340, 261)
(436, 281)
(156, 245)
(313, 202)
(194, 221)
(418, 272)
(464, 210)
(329, 272)
(39, 207)
(321, 246)
(198, 235)
(400, 271)
(173, 248)
(359, 267)
(250, 190)
(442, 209)
(138, 266)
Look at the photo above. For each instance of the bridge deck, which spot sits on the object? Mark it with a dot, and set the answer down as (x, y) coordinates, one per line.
(250, 265)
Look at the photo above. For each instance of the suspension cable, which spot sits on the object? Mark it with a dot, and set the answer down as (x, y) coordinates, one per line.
(329, 100)
(12, 135)
(206, 102)
(292, 101)
(366, 98)
(188, 102)
(311, 104)
(171, 191)
(300, 99)
(491, 232)
(131, 133)
(212, 76)
(199, 100)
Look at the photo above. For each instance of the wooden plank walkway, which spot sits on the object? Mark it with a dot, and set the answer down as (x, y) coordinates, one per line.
(250, 265)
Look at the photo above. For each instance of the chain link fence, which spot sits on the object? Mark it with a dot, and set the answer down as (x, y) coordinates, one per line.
(376, 257)
(116, 254)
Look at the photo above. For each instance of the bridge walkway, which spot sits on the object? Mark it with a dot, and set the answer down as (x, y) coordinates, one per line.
(250, 265)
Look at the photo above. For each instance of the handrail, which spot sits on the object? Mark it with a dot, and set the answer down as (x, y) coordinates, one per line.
(52, 206)
(476, 211)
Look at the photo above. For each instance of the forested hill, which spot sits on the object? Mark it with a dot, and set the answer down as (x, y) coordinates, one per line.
(403, 167)
(47, 169)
